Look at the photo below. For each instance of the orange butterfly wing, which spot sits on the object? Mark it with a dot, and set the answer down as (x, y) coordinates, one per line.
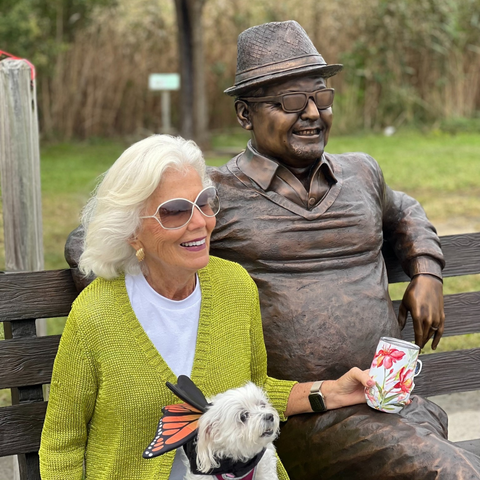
(177, 426)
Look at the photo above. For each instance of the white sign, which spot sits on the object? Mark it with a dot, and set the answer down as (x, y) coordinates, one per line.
(164, 81)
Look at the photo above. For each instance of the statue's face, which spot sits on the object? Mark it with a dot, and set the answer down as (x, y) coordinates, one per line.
(295, 139)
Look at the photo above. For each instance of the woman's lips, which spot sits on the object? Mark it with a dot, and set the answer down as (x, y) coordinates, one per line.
(195, 245)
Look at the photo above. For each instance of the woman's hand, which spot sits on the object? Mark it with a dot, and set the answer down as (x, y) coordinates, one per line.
(349, 389)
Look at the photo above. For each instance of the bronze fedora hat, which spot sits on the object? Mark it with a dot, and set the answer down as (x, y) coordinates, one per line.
(274, 51)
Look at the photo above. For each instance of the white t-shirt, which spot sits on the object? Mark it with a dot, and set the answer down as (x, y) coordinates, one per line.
(172, 327)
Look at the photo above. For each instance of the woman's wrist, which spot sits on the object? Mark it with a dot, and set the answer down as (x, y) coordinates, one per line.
(329, 394)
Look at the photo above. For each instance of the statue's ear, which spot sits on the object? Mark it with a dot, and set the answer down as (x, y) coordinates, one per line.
(244, 114)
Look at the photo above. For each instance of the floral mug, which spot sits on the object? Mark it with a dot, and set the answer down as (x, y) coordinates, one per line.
(393, 369)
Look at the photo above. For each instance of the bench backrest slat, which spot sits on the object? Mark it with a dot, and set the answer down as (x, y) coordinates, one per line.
(462, 311)
(462, 255)
(36, 294)
(27, 361)
(449, 372)
(21, 427)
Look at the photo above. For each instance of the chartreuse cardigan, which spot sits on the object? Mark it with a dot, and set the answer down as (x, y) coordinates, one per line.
(108, 384)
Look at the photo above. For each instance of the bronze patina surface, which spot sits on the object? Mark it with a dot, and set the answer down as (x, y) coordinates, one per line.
(309, 227)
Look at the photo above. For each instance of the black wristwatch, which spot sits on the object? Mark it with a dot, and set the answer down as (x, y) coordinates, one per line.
(317, 400)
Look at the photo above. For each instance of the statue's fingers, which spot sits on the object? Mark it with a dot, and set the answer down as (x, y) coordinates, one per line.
(402, 315)
(418, 330)
(439, 332)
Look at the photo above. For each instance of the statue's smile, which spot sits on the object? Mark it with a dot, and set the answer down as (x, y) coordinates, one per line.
(307, 132)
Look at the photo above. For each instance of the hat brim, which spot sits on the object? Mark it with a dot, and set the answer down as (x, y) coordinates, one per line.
(325, 71)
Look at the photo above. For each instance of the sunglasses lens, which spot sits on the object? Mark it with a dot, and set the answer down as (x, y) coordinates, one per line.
(175, 213)
(324, 98)
(294, 102)
(208, 202)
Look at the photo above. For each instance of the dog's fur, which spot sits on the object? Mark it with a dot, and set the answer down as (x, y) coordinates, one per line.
(238, 425)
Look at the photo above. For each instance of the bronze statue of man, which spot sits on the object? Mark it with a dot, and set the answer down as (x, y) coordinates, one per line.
(309, 227)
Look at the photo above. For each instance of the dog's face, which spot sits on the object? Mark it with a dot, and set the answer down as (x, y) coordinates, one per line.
(238, 425)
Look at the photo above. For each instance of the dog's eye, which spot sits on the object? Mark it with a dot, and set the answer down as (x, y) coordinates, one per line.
(244, 416)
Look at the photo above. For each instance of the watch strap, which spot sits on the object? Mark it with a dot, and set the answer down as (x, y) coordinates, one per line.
(316, 398)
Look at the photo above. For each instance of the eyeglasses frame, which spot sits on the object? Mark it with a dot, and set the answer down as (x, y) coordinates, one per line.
(194, 204)
(279, 99)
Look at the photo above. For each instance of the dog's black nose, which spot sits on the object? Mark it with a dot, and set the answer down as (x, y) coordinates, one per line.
(269, 417)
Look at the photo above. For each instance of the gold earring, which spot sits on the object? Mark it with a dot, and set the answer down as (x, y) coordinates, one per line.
(140, 254)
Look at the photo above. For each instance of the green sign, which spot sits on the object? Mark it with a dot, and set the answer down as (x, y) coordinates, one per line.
(164, 81)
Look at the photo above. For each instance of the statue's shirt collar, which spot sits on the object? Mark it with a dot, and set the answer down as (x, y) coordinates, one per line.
(272, 176)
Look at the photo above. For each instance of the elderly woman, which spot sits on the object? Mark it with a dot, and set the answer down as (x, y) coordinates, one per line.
(160, 307)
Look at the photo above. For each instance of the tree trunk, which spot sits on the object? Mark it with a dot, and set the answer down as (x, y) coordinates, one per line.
(193, 99)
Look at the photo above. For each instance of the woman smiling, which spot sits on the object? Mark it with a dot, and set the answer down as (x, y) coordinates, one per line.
(160, 307)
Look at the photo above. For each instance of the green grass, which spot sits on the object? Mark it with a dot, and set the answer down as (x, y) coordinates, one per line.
(441, 170)
(69, 173)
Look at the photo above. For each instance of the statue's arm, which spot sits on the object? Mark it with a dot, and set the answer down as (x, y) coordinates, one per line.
(73, 251)
(417, 246)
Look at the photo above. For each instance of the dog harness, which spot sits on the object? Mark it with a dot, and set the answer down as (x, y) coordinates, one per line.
(228, 469)
(229, 476)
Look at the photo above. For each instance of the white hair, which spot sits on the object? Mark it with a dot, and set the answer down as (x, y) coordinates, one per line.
(111, 216)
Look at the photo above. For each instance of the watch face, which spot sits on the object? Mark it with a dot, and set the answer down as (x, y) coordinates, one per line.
(316, 402)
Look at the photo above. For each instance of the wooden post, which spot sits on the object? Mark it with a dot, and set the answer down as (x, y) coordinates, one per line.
(21, 193)
(20, 168)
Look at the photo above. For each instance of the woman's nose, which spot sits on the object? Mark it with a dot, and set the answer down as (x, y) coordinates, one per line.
(198, 219)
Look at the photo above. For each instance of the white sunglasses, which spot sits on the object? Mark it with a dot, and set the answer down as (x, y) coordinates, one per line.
(177, 212)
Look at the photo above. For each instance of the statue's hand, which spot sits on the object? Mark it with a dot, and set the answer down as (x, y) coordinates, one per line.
(423, 298)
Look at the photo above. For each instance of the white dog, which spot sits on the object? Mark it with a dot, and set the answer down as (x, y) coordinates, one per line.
(239, 425)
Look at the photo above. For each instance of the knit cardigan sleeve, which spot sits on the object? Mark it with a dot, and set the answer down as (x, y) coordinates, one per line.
(278, 391)
(71, 404)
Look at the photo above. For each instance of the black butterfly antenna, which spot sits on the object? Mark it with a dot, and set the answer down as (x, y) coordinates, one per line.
(187, 391)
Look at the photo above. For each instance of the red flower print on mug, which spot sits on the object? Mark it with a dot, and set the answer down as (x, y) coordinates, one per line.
(388, 357)
(405, 380)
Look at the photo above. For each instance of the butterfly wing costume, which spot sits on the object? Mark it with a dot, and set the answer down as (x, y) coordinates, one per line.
(179, 422)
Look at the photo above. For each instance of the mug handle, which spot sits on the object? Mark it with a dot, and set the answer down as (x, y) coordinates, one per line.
(418, 367)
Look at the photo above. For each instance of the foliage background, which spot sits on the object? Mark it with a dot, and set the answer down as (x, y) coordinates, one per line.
(406, 62)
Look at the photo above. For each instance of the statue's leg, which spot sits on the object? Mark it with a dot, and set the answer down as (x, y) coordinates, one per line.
(360, 443)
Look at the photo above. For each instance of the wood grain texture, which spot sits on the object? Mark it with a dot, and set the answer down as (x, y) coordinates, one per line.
(20, 168)
(29, 466)
(462, 256)
(462, 315)
(21, 427)
(36, 295)
(449, 372)
(27, 361)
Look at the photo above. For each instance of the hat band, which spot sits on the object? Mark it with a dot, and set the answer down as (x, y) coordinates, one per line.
(271, 68)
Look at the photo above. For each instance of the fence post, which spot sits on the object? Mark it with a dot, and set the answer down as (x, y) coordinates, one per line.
(20, 168)
(20, 182)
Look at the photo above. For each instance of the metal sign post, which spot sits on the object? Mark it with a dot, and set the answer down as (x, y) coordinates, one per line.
(165, 83)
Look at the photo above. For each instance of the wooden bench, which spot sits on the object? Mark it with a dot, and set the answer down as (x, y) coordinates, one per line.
(26, 360)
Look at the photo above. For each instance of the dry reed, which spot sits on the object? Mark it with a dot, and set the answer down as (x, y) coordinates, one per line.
(405, 61)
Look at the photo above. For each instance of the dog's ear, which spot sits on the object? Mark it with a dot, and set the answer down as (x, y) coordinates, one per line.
(205, 453)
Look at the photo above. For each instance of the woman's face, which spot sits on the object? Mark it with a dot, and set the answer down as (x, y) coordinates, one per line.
(170, 253)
